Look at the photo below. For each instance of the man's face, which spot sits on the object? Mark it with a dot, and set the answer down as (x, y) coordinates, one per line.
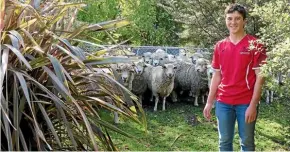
(235, 22)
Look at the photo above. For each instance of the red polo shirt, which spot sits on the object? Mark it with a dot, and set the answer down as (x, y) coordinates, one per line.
(237, 64)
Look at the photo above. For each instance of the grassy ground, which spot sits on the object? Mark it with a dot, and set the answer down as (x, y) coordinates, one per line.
(182, 128)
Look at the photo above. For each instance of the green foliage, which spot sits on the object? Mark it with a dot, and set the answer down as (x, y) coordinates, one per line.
(275, 34)
(150, 24)
(99, 11)
(45, 79)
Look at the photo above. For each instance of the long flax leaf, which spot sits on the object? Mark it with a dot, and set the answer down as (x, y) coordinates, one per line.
(35, 44)
(58, 69)
(18, 36)
(15, 42)
(6, 122)
(26, 93)
(70, 98)
(16, 112)
(3, 67)
(19, 55)
(71, 55)
(70, 47)
(48, 121)
(112, 127)
(23, 142)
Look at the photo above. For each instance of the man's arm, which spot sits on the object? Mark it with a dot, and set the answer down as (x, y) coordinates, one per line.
(251, 113)
(215, 82)
(260, 80)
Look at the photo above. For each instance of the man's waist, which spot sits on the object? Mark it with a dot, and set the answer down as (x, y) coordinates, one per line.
(236, 97)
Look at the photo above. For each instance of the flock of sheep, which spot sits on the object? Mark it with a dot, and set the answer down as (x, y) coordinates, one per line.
(167, 75)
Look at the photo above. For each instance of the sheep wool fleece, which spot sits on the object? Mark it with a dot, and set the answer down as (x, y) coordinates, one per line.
(161, 84)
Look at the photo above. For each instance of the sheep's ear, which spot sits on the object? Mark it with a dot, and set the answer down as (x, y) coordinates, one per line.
(144, 65)
(164, 67)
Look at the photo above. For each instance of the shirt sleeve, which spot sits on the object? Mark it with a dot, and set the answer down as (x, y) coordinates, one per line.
(215, 59)
(260, 56)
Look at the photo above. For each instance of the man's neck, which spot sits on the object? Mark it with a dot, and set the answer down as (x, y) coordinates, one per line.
(236, 38)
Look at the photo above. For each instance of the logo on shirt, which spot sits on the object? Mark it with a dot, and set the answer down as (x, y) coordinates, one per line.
(244, 51)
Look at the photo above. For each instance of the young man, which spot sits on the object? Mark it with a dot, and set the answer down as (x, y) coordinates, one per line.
(236, 84)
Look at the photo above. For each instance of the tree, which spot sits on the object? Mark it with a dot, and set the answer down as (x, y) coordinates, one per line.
(150, 24)
(274, 32)
(204, 21)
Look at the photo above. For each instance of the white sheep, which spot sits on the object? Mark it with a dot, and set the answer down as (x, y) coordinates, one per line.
(148, 77)
(196, 56)
(159, 57)
(182, 51)
(147, 57)
(171, 58)
(183, 57)
(126, 71)
(160, 51)
(162, 82)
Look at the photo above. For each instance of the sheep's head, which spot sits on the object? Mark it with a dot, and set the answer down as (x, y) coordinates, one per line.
(160, 58)
(182, 50)
(196, 56)
(171, 58)
(125, 70)
(155, 59)
(147, 57)
(182, 56)
(148, 60)
(139, 67)
(201, 65)
(169, 70)
(159, 51)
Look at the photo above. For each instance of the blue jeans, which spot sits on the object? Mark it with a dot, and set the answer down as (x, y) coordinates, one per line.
(226, 117)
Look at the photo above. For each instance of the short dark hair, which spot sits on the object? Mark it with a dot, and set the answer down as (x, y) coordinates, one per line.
(236, 7)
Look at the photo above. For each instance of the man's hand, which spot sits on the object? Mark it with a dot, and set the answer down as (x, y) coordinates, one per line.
(251, 114)
(207, 110)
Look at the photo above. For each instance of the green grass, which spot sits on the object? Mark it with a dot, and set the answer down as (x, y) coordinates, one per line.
(170, 130)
